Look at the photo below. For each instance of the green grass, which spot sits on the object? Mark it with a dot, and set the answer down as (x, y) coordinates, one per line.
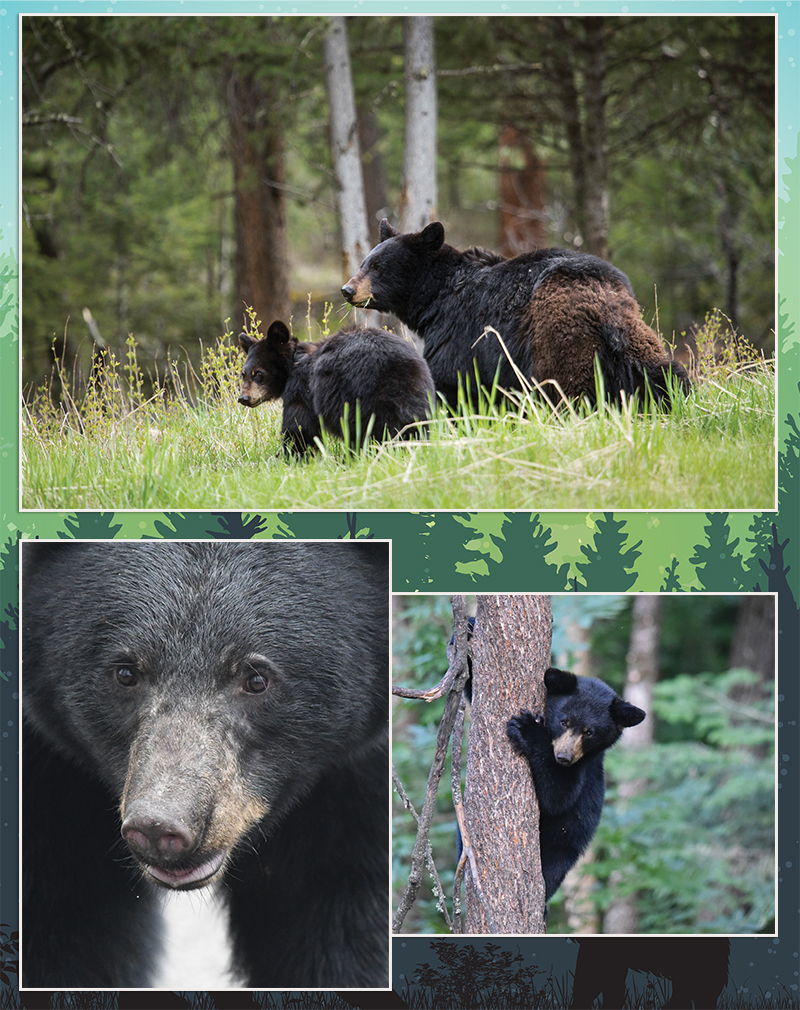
(190, 445)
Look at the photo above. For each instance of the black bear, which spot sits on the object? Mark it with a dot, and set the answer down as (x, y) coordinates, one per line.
(564, 748)
(354, 374)
(698, 968)
(205, 712)
(556, 310)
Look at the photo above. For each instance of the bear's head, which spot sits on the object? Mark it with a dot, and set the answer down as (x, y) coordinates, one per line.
(389, 275)
(268, 364)
(584, 715)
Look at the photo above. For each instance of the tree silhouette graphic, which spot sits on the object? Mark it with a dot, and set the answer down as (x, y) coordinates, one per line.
(90, 526)
(524, 543)
(671, 583)
(718, 566)
(609, 565)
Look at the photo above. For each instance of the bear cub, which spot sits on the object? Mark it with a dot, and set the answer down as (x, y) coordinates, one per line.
(338, 383)
(564, 748)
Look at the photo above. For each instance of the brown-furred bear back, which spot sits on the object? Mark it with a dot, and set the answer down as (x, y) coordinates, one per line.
(556, 311)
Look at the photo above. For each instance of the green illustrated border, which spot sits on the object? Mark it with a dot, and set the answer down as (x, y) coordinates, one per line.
(473, 552)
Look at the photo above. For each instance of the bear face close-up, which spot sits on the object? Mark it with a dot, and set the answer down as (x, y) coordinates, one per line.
(198, 714)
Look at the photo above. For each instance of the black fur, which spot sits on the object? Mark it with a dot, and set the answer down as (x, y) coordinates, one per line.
(201, 701)
(556, 310)
(564, 749)
(363, 371)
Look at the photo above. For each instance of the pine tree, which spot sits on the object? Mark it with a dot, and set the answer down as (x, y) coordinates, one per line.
(90, 526)
(719, 567)
(608, 565)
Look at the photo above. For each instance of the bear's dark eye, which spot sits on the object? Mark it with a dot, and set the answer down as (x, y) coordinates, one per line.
(126, 676)
(587, 732)
(258, 378)
(256, 683)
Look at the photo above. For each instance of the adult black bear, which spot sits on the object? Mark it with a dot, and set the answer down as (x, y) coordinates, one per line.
(698, 968)
(194, 711)
(354, 374)
(583, 718)
(556, 310)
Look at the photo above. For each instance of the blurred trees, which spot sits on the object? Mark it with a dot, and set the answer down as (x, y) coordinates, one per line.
(175, 168)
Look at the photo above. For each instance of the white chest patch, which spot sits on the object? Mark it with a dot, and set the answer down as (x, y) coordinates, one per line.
(197, 949)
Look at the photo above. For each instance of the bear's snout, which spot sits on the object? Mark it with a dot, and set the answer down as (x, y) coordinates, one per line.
(159, 837)
(348, 292)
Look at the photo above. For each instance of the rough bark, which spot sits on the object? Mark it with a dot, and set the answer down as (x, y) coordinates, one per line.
(418, 191)
(510, 652)
(262, 279)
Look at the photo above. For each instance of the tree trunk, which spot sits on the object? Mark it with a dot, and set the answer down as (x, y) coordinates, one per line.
(510, 652)
(622, 915)
(418, 191)
(346, 148)
(521, 188)
(262, 279)
(581, 71)
(596, 158)
(753, 645)
(372, 172)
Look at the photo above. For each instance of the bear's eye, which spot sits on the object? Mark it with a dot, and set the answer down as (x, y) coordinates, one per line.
(256, 683)
(258, 378)
(587, 732)
(565, 723)
(126, 676)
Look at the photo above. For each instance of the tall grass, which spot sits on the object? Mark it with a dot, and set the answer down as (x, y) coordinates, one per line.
(187, 443)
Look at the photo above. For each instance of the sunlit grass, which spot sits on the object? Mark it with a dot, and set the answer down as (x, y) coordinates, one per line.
(190, 445)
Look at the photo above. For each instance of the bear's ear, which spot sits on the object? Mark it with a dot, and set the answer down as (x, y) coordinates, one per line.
(246, 341)
(386, 230)
(278, 334)
(560, 681)
(625, 714)
(432, 237)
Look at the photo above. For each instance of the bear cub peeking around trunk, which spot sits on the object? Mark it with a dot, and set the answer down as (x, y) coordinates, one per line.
(564, 748)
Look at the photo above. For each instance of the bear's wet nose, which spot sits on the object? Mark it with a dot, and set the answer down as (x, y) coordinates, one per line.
(244, 400)
(348, 291)
(151, 837)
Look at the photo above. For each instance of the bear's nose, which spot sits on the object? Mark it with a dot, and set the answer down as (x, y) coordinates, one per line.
(244, 399)
(348, 291)
(158, 837)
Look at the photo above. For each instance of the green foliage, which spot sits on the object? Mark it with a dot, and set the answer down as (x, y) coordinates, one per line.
(696, 846)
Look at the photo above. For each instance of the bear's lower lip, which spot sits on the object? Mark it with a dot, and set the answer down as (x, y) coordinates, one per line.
(198, 876)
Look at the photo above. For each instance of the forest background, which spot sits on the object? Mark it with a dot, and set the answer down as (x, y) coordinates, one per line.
(646, 139)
